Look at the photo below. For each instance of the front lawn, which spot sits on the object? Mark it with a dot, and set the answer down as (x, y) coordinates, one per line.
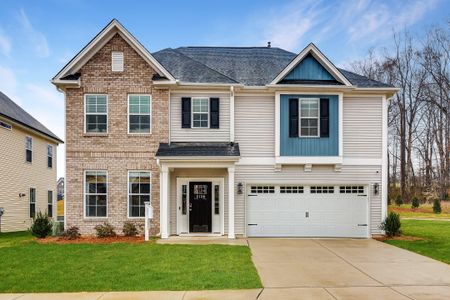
(28, 266)
(435, 235)
(424, 211)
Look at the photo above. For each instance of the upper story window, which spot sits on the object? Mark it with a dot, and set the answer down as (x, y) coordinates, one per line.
(139, 113)
(49, 156)
(29, 149)
(96, 193)
(96, 110)
(117, 61)
(5, 125)
(309, 117)
(200, 112)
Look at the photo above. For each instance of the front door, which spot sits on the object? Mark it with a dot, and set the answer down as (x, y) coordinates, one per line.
(200, 206)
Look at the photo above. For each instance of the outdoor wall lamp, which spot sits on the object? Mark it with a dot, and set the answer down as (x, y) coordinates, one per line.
(21, 195)
(240, 188)
(376, 188)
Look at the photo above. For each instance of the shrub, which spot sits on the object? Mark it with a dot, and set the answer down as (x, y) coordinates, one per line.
(42, 225)
(398, 200)
(415, 203)
(437, 206)
(105, 230)
(391, 225)
(129, 229)
(71, 233)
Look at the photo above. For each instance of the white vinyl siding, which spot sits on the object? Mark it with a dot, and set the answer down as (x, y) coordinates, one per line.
(362, 134)
(178, 134)
(255, 125)
(117, 61)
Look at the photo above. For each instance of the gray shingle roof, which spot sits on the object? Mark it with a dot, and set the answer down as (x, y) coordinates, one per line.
(253, 66)
(198, 149)
(14, 112)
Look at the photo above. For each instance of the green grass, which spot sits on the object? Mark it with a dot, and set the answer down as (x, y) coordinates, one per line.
(435, 235)
(28, 266)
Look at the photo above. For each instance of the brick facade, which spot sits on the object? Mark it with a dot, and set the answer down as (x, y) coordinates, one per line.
(117, 152)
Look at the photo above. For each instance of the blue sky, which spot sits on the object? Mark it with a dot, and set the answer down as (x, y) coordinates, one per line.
(38, 37)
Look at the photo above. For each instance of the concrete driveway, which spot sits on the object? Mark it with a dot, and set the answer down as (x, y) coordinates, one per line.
(346, 269)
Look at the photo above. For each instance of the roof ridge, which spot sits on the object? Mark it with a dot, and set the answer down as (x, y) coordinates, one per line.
(203, 64)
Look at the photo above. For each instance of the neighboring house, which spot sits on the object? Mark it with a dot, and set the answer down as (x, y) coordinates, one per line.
(253, 141)
(27, 167)
(60, 188)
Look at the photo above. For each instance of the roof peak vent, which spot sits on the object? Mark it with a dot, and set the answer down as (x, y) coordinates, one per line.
(269, 45)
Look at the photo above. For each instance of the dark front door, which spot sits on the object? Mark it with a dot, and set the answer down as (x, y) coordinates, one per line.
(200, 206)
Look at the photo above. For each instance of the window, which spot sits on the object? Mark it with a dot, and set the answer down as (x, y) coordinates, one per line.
(351, 189)
(117, 61)
(32, 197)
(262, 189)
(5, 125)
(138, 193)
(322, 190)
(96, 113)
(49, 156)
(96, 193)
(50, 203)
(139, 113)
(309, 117)
(216, 200)
(291, 189)
(200, 112)
(29, 149)
(184, 199)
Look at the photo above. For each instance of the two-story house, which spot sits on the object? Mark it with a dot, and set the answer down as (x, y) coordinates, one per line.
(253, 141)
(27, 167)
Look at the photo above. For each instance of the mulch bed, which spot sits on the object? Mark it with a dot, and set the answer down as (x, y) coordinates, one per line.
(93, 240)
(398, 238)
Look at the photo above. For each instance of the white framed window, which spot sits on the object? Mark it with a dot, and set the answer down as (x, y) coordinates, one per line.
(49, 156)
(139, 190)
(29, 149)
(32, 198)
(96, 194)
(96, 113)
(50, 203)
(117, 61)
(139, 113)
(309, 117)
(200, 112)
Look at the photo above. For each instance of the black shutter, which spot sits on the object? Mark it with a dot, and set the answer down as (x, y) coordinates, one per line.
(324, 117)
(185, 112)
(214, 112)
(293, 117)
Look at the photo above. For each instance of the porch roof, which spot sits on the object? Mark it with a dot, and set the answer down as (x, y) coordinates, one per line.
(197, 149)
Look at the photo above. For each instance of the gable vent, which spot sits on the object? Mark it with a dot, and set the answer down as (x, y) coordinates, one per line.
(117, 61)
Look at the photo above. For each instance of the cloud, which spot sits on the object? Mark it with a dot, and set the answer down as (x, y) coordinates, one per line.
(5, 43)
(46, 94)
(35, 37)
(9, 84)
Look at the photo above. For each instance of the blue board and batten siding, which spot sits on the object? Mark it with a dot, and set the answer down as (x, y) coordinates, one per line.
(309, 69)
(309, 146)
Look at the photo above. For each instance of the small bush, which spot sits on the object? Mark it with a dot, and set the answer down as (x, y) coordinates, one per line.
(398, 200)
(71, 233)
(129, 229)
(437, 206)
(391, 225)
(42, 225)
(105, 230)
(415, 203)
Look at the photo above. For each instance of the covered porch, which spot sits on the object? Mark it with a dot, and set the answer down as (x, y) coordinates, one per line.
(197, 189)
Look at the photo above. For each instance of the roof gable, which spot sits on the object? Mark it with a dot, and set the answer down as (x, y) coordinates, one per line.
(104, 36)
(311, 66)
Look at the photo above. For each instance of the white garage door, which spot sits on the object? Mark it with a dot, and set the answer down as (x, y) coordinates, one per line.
(307, 211)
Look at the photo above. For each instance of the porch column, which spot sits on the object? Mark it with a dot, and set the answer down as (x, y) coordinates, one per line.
(164, 203)
(231, 203)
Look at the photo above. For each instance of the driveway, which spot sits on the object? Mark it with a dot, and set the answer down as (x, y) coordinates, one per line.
(346, 269)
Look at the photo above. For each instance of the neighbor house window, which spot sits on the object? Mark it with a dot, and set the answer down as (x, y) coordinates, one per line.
(138, 193)
(5, 125)
(96, 193)
(50, 203)
(49, 156)
(32, 202)
(200, 112)
(117, 61)
(96, 113)
(309, 117)
(29, 149)
(139, 110)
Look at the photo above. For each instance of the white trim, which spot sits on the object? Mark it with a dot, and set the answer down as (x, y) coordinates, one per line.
(99, 41)
(141, 114)
(231, 220)
(49, 145)
(128, 192)
(341, 124)
(31, 149)
(301, 160)
(29, 201)
(201, 113)
(322, 59)
(384, 168)
(277, 123)
(232, 114)
(198, 158)
(164, 201)
(115, 56)
(53, 202)
(270, 160)
(107, 114)
(84, 196)
(300, 117)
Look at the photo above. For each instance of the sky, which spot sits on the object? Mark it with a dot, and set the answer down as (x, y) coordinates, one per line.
(37, 38)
